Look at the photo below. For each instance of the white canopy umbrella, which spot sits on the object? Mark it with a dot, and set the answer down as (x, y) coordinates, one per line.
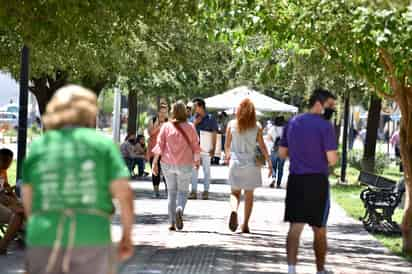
(232, 111)
(231, 99)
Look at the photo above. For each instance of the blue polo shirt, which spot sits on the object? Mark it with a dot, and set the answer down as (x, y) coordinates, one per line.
(208, 123)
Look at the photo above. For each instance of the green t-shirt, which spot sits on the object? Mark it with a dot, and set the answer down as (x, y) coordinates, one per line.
(71, 168)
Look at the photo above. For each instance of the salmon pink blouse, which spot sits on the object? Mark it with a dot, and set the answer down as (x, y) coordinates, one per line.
(173, 147)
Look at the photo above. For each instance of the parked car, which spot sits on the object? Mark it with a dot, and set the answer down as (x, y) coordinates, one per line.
(13, 108)
(9, 120)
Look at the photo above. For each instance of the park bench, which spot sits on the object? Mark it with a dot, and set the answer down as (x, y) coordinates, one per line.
(380, 199)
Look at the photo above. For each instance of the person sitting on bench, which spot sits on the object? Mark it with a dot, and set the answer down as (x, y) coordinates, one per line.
(11, 210)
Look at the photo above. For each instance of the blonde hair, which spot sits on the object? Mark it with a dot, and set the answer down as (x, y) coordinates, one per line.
(179, 113)
(71, 105)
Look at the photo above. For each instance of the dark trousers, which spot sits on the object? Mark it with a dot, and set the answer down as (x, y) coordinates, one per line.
(277, 167)
(140, 162)
(130, 165)
(133, 162)
(156, 178)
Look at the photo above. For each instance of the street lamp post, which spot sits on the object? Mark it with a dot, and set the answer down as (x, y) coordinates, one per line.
(23, 104)
(116, 115)
(345, 139)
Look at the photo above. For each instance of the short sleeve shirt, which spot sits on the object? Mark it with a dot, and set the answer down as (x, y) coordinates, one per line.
(71, 168)
(308, 137)
(208, 123)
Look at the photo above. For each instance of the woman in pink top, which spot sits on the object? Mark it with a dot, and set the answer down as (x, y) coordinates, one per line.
(178, 146)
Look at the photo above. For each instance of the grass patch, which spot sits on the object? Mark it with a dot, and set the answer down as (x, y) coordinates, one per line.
(11, 173)
(347, 196)
(392, 172)
(352, 175)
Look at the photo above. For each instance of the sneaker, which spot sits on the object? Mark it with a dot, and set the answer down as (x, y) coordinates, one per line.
(233, 223)
(193, 196)
(272, 185)
(179, 219)
(205, 195)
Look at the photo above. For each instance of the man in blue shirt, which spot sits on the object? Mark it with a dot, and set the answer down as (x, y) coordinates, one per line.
(309, 141)
(203, 121)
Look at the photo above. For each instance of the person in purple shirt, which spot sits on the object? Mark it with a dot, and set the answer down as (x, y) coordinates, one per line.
(310, 143)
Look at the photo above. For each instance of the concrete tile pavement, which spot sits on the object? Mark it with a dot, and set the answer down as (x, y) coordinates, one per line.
(207, 246)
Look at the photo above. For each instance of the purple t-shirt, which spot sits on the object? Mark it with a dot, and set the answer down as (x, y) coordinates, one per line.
(308, 137)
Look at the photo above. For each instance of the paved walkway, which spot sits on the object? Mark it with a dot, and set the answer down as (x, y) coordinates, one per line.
(207, 246)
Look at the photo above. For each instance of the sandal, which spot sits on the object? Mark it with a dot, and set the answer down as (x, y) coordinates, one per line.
(233, 223)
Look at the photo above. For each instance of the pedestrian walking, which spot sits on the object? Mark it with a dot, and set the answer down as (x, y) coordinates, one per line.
(178, 148)
(154, 129)
(396, 143)
(206, 127)
(70, 176)
(242, 135)
(309, 141)
(275, 133)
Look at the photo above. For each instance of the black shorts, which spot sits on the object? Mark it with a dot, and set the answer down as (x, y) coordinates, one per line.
(307, 199)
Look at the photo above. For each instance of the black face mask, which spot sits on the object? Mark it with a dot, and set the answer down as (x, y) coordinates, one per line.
(327, 113)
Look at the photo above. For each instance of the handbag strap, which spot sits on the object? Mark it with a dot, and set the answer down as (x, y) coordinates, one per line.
(180, 129)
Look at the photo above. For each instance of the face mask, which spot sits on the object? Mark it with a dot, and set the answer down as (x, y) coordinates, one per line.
(327, 113)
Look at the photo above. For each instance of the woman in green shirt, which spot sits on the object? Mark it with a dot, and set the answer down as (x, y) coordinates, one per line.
(70, 178)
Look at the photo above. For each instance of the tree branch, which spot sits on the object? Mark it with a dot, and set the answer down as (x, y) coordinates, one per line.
(386, 60)
(381, 93)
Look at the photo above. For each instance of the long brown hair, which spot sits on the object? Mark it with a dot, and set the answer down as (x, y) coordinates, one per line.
(179, 113)
(245, 115)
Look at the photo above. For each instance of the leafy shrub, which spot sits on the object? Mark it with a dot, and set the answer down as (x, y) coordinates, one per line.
(381, 161)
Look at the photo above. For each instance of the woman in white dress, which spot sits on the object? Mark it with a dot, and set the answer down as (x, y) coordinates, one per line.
(242, 136)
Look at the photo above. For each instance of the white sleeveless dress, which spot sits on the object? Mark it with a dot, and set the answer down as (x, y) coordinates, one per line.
(243, 172)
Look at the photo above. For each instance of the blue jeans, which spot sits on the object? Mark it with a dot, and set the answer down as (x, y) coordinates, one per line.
(140, 162)
(130, 165)
(205, 161)
(277, 167)
(178, 180)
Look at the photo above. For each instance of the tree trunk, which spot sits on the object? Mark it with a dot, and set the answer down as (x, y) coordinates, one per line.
(405, 103)
(158, 103)
(45, 87)
(368, 161)
(132, 107)
(139, 111)
(402, 92)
